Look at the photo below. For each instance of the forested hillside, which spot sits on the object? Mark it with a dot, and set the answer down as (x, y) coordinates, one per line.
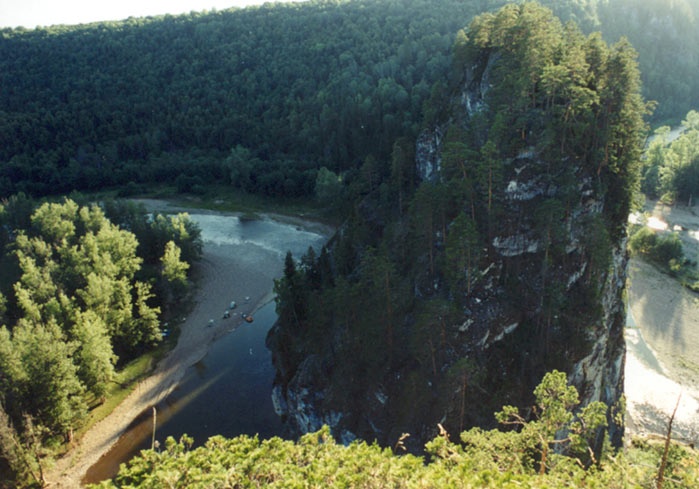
(259, 98)
(485, 165)
(666, 36)
(455, 285)
(262, 98)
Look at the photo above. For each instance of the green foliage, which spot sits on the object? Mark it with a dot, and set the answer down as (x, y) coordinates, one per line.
(555, 401)
(178, 228)
(258, 98)
(76, 305)
(328, 188)
(427, 212)
(462, 253)
(291, 294)
(94, 356)
(74, 300)
(261, 98)
(567, 96)
(314, 461)
(659, 30)
(482, 459)
(75, 260)
(559, 130)
(46, 383)
(672, 168)
(660, 248)
(174, 269)
(21, 452)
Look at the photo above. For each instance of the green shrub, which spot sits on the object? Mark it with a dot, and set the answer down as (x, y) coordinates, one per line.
(663, 249)
(528, 456)
(668, 247)
(643, 241)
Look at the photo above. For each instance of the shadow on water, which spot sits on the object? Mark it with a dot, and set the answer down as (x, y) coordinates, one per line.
(227, 393)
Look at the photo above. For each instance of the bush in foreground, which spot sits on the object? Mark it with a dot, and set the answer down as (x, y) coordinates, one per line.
(522, 458)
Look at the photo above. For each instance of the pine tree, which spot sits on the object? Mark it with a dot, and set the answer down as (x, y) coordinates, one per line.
(462, 253)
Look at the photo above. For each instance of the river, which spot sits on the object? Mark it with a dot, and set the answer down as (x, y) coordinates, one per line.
(228, 391)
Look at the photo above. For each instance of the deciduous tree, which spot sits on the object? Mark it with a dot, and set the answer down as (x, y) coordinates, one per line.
(174, 269)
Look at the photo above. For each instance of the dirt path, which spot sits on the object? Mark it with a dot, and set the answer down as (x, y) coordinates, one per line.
(222, 275)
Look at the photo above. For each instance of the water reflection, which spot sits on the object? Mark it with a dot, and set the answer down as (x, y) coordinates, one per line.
(264, 234)
(226, 393)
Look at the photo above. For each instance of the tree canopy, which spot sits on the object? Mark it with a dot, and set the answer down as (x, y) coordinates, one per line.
(258, 99)
(262, 98)
(537, 121)
(77, 302)
(671, 168)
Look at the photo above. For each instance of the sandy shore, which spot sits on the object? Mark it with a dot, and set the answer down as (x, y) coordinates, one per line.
(662, 337)
(666, 315)
(222, 275)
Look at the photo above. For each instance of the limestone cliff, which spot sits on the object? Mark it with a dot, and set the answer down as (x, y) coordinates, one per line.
(509, 261)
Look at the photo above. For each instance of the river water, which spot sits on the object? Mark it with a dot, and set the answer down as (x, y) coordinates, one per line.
(263, 236)
(228, 392)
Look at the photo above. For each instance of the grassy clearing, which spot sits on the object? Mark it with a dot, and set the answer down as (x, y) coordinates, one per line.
(123, 384)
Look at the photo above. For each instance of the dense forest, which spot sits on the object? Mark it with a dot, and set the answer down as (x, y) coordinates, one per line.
(259, 99)
(326, 99)
(263, 98)
(671, 167)
(83, 290)
(492, 267)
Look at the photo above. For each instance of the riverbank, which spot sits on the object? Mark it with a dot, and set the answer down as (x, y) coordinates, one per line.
(225, 273)
(663, 340)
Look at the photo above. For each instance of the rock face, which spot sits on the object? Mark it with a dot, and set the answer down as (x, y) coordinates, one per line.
(599, 376)
(491, 317)
(510, 332)
(596, 369)
(538, 220)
